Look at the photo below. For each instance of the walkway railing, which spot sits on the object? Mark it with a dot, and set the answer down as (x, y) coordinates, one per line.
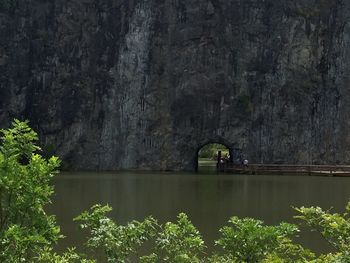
(325, 170)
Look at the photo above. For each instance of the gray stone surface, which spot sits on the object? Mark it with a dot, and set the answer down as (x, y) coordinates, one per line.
(116, 84)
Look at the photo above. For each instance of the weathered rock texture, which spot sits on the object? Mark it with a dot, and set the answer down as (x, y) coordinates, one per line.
(112, 84)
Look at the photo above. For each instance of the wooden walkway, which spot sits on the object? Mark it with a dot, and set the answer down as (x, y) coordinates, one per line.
(284, 169)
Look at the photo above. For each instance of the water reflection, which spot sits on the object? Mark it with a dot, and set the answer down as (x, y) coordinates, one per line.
(209, 199)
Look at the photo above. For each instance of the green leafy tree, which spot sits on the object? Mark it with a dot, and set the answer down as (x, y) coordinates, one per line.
(220, 259)
(248, 240)
(288, 252)
(178, 242)
(118, 242)
(46, 255)
(24, 191)
(27, 233)
(334, 228)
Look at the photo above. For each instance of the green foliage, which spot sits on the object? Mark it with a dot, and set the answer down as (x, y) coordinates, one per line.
(7, 5)
(178, 242)
(117, 241)
(211, 150)
(288, 252)
(48, 256)
(335, 229)
(333, 258)
(248, 240)
(27, 233)
(221, 259)
(24, 191)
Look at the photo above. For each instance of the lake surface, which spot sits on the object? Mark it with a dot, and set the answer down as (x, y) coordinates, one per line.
(209, 199)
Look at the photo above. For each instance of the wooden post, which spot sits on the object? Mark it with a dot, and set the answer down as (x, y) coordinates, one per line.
(218, 161)
(231, 155)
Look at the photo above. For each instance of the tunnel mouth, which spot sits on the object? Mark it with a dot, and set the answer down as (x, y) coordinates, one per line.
(207, 156)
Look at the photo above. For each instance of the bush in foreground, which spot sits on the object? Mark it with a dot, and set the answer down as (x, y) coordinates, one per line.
(26, 232)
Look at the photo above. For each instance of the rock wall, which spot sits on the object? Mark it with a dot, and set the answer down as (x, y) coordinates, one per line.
(115, 84)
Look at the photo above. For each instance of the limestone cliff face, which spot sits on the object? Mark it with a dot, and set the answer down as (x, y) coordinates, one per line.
(112, 84)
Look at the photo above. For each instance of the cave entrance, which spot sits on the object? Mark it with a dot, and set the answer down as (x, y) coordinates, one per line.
(208, 155)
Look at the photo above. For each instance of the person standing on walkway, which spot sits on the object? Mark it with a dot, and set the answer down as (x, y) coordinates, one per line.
(245, 163)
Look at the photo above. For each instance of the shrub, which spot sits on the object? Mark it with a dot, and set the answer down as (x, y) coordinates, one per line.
(248, 240)
(178, 242)
(24, 191)
(27, 233)
(118, 242)
(334, 228)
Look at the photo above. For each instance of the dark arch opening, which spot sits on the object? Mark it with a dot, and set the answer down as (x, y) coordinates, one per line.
(208, 154)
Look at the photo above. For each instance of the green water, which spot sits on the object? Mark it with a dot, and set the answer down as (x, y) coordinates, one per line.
(208, 198)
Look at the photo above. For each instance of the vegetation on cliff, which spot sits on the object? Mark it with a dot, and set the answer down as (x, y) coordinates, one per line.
(211, 151)
(7, 4)
(28, 234)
